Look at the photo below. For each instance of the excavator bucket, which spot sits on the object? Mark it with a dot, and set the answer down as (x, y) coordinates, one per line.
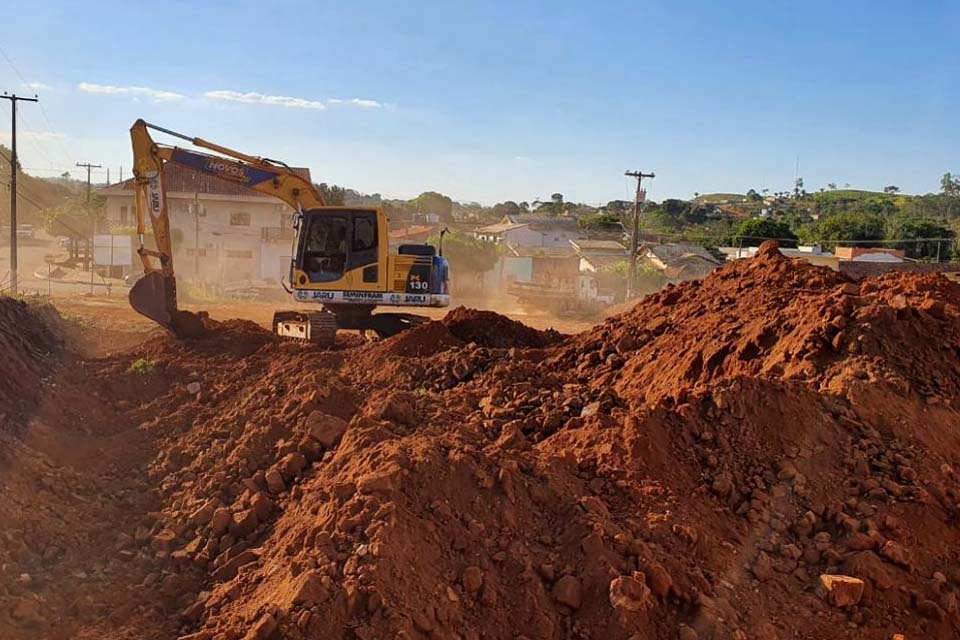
(154, 296)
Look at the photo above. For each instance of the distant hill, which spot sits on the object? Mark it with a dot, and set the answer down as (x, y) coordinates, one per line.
(36, 194)
(720, 198)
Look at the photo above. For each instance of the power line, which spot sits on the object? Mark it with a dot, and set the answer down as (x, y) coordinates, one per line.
(43, 111)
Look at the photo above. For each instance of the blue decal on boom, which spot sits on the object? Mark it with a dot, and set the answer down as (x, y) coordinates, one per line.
(222, 168)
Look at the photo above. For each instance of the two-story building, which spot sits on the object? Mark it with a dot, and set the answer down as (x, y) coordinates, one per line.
(223, 232)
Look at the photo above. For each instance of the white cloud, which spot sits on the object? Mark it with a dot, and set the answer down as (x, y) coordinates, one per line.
(259, 98)
(37, 86)
(523, 159)
(157, 94)
(357, 102)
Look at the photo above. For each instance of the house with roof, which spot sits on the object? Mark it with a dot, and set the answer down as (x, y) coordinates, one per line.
(222, 232)
(678, 261)
(531, 231)
(412, 234)
(596, 254)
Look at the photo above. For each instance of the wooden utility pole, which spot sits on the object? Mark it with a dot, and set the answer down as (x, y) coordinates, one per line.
(634, 240)
(13, 184)
(93, 222)
(88, 167)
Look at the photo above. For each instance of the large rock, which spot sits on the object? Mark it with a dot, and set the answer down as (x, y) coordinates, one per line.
(229, 569)
(220, 521)
(629, 593)
(262, 629)
(841, 591)
(326, 429)
(274, 481)
(385, 480)
(868, 566)
(204, 514)
(308, 589)
(567, 592)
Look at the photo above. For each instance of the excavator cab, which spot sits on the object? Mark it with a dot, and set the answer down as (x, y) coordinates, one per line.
(333, 245)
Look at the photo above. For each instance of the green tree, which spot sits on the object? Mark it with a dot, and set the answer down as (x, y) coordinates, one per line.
(508, 208)
(936, 239)
(599, 221)
(753, 231)
(753, 196)
(75, 216)
(619, 207)
(436, 203)
(466, 253)
(867, 228)
(949, 185)
(332, 194)
(891, 189)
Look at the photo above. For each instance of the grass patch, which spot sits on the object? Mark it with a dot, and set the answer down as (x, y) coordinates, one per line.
(143, 366)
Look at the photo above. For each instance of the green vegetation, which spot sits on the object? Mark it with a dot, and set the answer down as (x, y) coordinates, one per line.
(864, 227)
(753, 231)
(465, 253)
(435, 203)
(719, 198)
(616, 275)
(143, 366)
(332, 194)
(599, 221)
(75, 216)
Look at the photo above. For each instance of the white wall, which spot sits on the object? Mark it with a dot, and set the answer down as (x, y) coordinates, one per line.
(229, 252)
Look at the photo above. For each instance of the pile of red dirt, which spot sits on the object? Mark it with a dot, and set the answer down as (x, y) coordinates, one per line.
(489, 329)
(770, 453)
(28, 343)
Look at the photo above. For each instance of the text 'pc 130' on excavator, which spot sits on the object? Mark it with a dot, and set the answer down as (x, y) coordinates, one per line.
(340, 257)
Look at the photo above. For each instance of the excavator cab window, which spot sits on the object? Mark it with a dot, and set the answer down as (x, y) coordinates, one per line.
(325, 249)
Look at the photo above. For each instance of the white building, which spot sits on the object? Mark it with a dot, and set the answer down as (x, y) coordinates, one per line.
(531, 231)
(222, 232)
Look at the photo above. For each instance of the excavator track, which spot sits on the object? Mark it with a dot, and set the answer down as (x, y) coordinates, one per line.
(315, 327)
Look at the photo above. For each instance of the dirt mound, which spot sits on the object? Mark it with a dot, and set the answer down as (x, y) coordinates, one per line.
(769, 453)
(490, 329)
(776, 318)
(28, 340)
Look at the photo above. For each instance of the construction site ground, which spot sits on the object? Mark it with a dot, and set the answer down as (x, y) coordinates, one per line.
(766, 454)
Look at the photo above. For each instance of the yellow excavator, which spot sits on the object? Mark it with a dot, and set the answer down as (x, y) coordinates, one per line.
(340, 259)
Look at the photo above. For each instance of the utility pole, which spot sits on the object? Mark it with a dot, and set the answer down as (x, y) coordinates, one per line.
(88, 167)
(14, 98)
(634, 240)
(93, 229)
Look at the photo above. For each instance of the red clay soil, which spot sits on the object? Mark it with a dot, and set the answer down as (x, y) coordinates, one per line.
(489, 329)
(769, 453)
(26, 344)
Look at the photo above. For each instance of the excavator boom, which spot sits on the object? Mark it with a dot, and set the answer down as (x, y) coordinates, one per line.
(155, 294)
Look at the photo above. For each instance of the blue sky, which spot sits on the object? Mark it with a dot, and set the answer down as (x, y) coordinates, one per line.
(506, 100)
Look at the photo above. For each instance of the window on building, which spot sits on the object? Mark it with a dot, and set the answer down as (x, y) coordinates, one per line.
(123, 214)
(240, 219)
(240, 253)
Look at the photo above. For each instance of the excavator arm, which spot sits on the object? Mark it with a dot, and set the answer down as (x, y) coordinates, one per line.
(155, 294)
